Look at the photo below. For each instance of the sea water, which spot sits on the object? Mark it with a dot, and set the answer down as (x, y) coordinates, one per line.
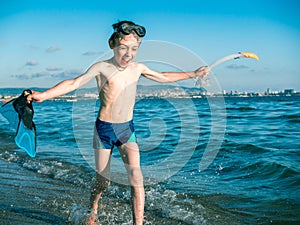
(205, 161)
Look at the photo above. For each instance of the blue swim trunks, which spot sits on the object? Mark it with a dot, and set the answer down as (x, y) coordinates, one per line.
(107, 135)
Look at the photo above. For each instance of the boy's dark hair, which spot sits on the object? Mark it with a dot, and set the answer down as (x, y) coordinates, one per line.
(118, 35)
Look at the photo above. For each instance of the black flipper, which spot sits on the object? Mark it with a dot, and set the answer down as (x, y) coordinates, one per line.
(19, 113)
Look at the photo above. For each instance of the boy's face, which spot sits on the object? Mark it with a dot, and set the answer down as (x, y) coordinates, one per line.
(126, 51)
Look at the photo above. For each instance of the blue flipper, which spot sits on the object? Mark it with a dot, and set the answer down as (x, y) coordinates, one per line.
(19, 113)
(26, 139)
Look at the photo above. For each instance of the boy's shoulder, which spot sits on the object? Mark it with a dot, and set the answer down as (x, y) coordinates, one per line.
(100, 65)
(138, 64)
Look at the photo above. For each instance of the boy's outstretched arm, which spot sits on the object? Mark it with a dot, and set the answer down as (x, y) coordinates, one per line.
(61, 88)
(65, 86)
(165, 77)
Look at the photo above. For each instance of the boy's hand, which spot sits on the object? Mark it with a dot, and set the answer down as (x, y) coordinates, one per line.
(35, 97)
(202, 72)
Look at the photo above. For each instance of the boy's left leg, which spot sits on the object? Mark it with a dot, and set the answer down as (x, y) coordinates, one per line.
(131, 157)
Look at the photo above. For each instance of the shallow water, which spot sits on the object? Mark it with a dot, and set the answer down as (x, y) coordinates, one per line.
(205, 161)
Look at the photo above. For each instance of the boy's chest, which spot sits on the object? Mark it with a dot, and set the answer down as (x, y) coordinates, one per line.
(121, 81)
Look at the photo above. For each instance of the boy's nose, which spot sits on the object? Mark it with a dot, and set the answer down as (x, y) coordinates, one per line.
(128, 52)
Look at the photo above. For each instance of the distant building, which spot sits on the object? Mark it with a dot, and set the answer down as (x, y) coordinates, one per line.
(289, 91)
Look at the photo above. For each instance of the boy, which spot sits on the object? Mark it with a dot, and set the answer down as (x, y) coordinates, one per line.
(117, 80)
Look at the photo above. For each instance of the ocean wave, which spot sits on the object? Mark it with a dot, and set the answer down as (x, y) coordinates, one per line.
(241, 108)
(51, 168)
(276, 171)
(163, 206)
(290, 118)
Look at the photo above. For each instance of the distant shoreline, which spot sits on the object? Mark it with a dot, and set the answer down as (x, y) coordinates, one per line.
(157, 91)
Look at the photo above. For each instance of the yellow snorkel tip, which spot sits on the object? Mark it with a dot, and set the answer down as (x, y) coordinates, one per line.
(249, 55)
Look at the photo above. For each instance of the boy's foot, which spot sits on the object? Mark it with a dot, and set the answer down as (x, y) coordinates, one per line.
(92, 219)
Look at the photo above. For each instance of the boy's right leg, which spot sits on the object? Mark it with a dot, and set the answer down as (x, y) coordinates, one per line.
(102, 160)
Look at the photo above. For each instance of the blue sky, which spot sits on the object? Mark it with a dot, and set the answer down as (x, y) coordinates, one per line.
(44, 42)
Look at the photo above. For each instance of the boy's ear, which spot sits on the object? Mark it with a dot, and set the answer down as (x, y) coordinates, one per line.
(111, 43)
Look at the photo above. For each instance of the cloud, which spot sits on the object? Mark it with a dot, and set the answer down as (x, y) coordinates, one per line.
(21, 76)
(53, 68)
(91, 53)
(237, 67)
(53, 49)
(31, 63)
(68, 74)
(40, 74)
(31, 76)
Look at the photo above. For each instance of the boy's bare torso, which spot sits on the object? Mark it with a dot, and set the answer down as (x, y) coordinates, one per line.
(117, 91)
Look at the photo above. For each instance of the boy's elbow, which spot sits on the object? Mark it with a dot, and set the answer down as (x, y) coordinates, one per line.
(73, 84)
(167, 80)
(162, 80)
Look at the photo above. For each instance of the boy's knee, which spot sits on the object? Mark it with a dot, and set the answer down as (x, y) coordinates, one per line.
(102, 183)
(136, 177)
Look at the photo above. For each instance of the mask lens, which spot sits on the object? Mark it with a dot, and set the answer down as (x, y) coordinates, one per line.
(125, 28)
(140, 31)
